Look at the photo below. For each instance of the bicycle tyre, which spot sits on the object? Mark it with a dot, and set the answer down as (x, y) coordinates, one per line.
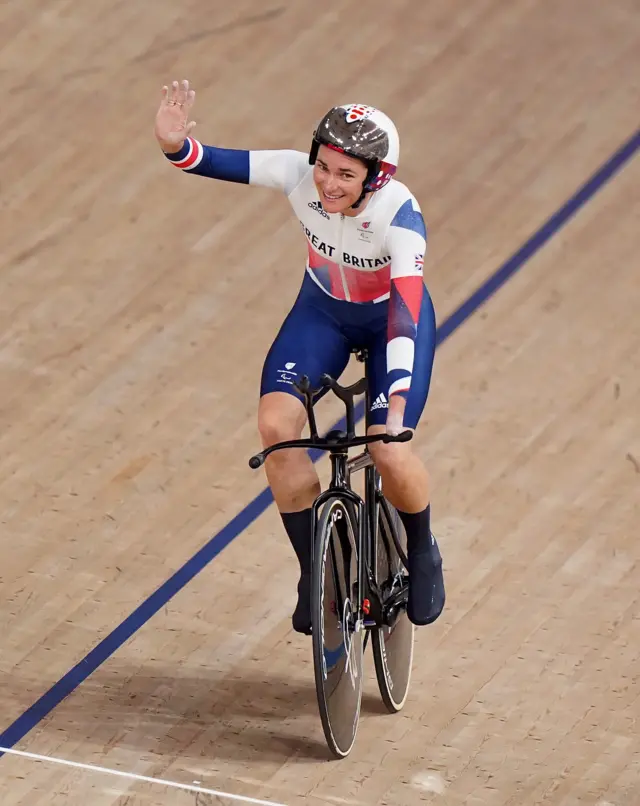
(337, 648)
(392, 646)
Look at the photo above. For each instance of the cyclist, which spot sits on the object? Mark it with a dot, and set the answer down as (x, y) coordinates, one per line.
(363, 287)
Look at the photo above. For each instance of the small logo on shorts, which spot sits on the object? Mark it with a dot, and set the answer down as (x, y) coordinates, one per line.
(380, 402)
(287, 374)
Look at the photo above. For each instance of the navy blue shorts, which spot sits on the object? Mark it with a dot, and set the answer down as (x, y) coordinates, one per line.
(318, 335)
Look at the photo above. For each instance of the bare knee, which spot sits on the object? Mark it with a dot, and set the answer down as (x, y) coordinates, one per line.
(389, 457)
(290, 473)
(405, 480)
(281, 417)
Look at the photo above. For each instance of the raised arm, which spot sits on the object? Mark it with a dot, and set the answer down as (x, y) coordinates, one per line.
(282, 169)
(173, 128)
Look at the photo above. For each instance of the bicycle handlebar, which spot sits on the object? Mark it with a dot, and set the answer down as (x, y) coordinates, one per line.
(328, 443)
(334, 439)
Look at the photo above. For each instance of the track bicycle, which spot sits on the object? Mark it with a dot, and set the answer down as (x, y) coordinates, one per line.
(359, 578)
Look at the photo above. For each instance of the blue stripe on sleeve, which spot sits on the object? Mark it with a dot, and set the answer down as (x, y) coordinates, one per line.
(228, 164)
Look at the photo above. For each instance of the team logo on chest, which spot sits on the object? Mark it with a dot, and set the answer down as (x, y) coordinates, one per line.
(365, 233)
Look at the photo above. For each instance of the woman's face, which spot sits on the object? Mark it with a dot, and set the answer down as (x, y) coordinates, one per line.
(338, 179)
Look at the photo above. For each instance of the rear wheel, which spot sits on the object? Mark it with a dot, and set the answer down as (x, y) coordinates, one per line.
(392, 642)
(337, 646)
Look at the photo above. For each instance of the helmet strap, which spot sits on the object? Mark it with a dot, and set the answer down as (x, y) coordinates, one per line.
(360, 199)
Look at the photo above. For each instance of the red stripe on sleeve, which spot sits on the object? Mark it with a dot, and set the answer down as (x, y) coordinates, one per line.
(410, 289)
(192, 156)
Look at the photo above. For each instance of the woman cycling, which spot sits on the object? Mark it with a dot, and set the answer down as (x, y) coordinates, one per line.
(363, 287)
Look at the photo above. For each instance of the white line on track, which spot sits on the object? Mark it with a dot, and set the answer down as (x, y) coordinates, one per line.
(135, 777)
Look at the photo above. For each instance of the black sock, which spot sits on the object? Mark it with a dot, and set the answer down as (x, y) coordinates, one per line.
(298, 528)
(417, 525)
(426, 582)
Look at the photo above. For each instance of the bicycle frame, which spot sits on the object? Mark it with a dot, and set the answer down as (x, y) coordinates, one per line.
(341, 470)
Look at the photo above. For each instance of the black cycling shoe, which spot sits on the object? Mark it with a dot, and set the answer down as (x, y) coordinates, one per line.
(301, 618)
(426, 584)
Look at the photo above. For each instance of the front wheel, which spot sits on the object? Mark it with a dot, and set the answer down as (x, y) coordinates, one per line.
(338, 644)
(393, 641)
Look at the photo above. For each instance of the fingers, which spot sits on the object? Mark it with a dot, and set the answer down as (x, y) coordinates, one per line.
(170, 94)
(179, 94)
(394, 423)
(183, 89)
(395, 415)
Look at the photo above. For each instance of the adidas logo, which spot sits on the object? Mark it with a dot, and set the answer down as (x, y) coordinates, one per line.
(318, 208)
(380, 402)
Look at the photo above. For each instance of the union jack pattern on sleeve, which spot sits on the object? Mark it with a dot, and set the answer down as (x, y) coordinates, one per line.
(407, 243)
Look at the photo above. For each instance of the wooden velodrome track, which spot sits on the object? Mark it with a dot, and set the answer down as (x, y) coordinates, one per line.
(136, 306)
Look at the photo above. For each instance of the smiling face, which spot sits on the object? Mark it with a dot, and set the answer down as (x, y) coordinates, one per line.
(338, 179)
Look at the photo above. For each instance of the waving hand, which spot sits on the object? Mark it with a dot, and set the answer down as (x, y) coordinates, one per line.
(172, 125)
